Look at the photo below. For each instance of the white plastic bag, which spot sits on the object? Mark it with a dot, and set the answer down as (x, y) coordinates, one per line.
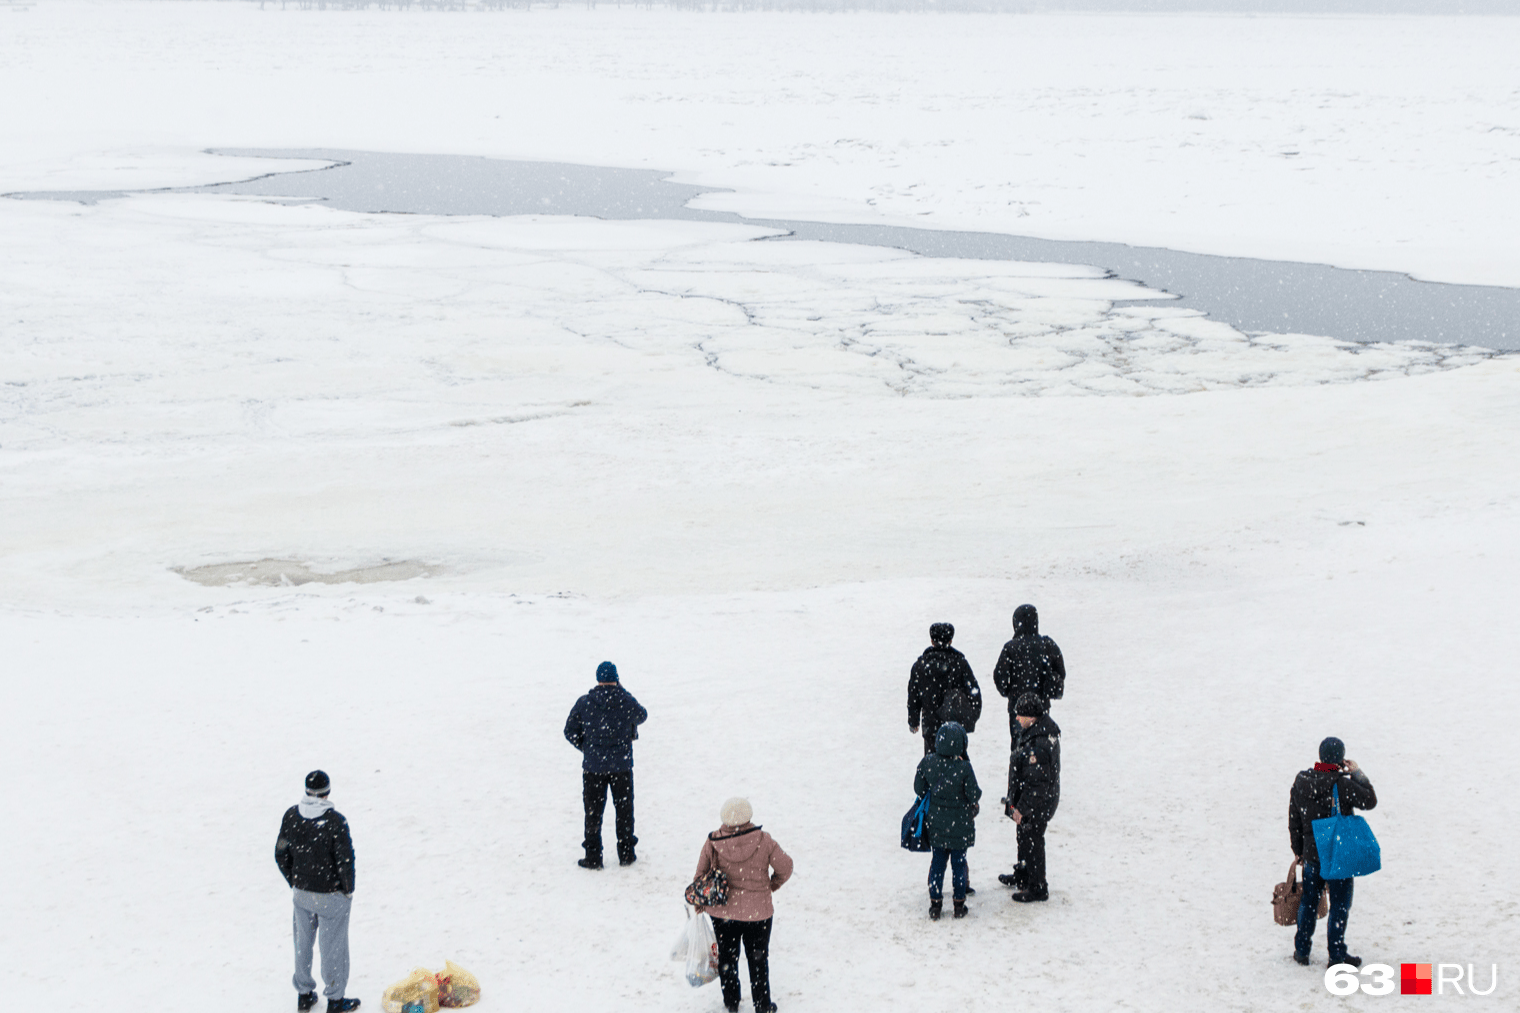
(698, 946)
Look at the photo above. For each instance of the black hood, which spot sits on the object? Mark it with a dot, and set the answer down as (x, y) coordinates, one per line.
(1026, 621)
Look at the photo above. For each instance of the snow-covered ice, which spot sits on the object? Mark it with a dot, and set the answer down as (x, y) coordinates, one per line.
(1370, 142)
(751, 473)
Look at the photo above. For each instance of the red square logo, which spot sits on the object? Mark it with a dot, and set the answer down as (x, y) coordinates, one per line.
(1414, 979)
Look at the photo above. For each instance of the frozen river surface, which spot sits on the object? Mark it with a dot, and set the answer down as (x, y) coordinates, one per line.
(1252, 295)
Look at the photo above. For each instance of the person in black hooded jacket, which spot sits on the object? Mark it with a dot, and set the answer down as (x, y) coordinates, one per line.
(942, 688)
(1034, 792)
(1029, 663)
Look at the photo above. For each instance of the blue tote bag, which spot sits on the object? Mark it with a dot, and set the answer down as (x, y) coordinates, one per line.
(1346, 845)
(913, 836)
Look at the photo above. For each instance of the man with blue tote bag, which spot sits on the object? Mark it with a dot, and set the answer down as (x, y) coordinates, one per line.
(1333, 787)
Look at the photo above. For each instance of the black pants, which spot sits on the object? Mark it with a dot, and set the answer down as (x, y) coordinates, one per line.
(1032, 855)
(756, 937)
(1341, 891)
(594, 795)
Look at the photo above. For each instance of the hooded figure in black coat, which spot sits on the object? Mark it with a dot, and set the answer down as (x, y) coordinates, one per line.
(1029, 663)
(1034, 792)
(942, 688)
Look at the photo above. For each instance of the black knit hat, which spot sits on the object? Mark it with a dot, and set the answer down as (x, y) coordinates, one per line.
(317, 783)
(1028, 705)
(1332, 750)
(941, 634)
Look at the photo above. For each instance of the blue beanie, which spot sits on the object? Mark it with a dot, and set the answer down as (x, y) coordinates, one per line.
(1332, 750)
(606, 672)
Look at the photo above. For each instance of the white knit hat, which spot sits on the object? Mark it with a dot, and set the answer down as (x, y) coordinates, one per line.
(736, 812)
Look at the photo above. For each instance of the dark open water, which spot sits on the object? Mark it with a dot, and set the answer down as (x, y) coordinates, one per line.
(1251, 295)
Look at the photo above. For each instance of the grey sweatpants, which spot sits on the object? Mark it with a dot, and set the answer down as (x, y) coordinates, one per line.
(326, 913)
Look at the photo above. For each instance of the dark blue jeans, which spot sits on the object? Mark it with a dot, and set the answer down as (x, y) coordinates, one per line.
(959, 877)
(1340, 910)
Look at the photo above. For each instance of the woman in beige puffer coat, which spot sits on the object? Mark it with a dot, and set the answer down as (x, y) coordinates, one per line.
(755, 867)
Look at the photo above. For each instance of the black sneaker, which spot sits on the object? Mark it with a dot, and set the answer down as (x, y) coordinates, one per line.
(590, 863)
(1031, 896)
(305, 1001)
(341, 1005)
(629, 860)
(935, 907)
(960, 909)
(1353, 961)
(1301, 959)
(970, 890)
(769, 1007)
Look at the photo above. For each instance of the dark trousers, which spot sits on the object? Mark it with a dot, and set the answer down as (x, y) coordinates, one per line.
(594, 794)
(929, 734)
(958, 873)
(1031, 836)
(756, 937)
(1308, 910)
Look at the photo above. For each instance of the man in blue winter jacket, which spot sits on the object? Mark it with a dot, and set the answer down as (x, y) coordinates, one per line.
(603, 725)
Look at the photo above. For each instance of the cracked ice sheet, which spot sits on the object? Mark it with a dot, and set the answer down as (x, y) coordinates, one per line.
(158, 345)
(197, 318)
(143, 168)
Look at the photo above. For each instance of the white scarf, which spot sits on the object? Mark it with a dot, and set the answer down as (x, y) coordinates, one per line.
(312, 807)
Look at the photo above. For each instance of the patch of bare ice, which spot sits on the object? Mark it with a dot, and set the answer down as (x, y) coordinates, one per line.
(294, 572)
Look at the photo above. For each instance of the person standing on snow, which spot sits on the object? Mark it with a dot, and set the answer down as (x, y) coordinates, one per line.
(1312, 798)
(947, 778)
(756, 867)
(316, 856)
(1029, 663)
(1034, 791)
(942, 688)
(603, 725)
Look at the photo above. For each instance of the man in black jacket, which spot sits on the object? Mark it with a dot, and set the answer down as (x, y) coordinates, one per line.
(942, 688)
(1029, 663)
(1034, 791)
(316, 856)
(603, 725)
(1312, 798)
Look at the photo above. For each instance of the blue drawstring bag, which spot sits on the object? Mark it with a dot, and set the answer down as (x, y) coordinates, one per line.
(913, 836)
(1346, 845)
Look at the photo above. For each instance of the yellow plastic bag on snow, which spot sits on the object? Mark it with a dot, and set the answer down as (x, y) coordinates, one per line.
(457, 987)
(420, 986)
